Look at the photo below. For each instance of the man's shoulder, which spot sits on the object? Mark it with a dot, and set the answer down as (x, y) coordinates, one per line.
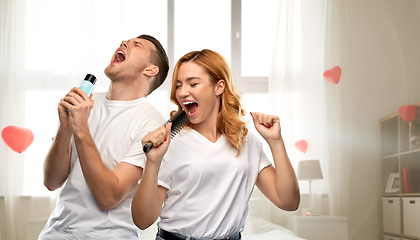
(98, 95)
(151, 111)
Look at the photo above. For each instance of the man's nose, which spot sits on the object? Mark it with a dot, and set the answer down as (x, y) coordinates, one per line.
(124, 44)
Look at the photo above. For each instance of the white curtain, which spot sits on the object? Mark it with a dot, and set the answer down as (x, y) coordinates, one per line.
(47, 47)
(10, 115)
(335, 50)
(306, 42)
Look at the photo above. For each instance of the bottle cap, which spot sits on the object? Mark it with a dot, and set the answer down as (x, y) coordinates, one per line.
(91, 78)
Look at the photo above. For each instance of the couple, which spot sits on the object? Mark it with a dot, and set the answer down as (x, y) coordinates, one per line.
(199, 183)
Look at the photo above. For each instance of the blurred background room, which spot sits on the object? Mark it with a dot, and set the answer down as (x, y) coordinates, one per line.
(333, 70)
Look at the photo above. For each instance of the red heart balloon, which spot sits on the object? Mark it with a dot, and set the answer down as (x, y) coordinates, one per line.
(301, 145)
(333, 75)
(408, 113)
(18, 139)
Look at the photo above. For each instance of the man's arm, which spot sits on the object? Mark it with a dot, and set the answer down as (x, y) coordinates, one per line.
(108, 186)
(57, 163)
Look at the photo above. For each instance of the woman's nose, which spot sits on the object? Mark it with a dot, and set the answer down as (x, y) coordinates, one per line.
(183, 92)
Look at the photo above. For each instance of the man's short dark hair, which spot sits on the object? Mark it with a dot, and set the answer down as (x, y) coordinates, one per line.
(160, 59)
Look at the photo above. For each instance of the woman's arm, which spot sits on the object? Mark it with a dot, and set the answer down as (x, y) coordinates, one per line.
(279, 184)
(149, 197)
(148, 200)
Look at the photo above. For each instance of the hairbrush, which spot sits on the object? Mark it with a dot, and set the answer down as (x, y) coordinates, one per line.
(179, 120)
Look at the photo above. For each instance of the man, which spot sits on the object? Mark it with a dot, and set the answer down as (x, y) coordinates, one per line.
(97, 151)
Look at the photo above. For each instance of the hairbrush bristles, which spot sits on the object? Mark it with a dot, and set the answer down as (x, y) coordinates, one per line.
(179, 120)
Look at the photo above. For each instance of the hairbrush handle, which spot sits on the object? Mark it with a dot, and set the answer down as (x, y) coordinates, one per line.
(179, 120)
(147, 147)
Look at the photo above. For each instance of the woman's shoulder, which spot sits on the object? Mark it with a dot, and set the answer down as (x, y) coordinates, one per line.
(251, 137)
(253, 141)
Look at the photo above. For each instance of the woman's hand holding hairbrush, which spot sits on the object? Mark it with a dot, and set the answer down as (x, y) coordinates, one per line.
(159, 136)
(159, 139)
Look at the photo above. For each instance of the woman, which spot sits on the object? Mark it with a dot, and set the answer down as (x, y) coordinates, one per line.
(205, 179)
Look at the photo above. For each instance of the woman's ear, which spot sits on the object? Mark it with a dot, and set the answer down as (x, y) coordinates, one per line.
(220, 87)
(151, 70)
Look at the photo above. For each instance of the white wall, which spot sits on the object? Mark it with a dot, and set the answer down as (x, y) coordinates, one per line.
(381, 72)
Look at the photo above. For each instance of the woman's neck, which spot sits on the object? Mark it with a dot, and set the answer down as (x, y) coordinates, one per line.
(208, 129)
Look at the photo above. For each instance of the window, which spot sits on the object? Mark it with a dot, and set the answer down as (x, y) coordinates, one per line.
(60, 62)
(248, 47)
(44, 129)
(256, 39)
(202, 24)
(52, 27)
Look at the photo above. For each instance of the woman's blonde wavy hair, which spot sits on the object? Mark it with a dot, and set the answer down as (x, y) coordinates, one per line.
(230, 119)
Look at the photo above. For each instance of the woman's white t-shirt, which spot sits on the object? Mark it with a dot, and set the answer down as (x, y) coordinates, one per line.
(209, 187)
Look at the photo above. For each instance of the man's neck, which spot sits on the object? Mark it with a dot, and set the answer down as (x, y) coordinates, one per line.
(122, 91)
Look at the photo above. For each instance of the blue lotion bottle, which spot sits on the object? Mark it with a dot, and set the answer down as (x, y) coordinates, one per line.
(88, 84)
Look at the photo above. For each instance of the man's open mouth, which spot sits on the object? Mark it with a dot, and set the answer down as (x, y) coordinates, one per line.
(119, 56)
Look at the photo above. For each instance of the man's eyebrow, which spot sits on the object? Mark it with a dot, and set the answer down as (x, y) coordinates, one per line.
(138, 42)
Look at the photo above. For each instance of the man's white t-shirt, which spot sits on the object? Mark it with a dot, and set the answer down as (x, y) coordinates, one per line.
(209, 187)
(117, 127)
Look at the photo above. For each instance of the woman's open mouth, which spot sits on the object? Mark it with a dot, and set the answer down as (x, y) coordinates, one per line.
(190, 108)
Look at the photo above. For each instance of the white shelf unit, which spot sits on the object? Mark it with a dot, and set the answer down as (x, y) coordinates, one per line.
(400, 153)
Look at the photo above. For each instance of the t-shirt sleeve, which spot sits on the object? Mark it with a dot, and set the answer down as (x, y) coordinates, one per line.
(264, 161)
(165, 176)
(135, 154)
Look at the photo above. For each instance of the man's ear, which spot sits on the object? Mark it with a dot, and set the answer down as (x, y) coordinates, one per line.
(151, 70)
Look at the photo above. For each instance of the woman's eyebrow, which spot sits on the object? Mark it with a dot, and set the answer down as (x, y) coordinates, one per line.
(192, 78)
(188, 79)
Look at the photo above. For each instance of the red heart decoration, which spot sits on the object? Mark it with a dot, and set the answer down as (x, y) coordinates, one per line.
(333, 75)
(18, 139)
(301, 145)
(408, 113)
